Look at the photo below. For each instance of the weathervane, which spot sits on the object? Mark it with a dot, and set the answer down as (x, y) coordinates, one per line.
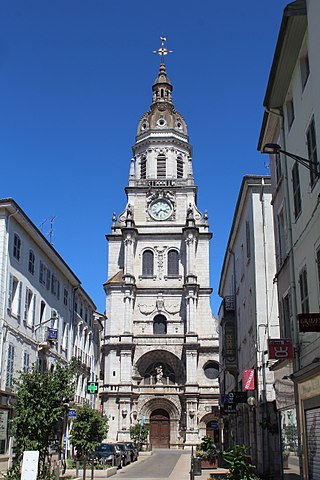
(162, 51)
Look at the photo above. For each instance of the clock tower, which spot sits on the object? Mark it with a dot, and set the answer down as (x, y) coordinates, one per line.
(160, 351)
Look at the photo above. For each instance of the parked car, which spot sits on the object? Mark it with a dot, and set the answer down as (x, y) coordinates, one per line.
(125, 453)
(109, 453)
(133, 451)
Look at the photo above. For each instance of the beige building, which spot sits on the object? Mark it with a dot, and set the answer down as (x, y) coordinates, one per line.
(161, 342)
(292, 120)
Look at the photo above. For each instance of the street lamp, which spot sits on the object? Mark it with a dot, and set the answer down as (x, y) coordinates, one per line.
(274, 148)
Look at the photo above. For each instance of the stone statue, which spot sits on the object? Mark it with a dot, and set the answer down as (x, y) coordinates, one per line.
(159, 373)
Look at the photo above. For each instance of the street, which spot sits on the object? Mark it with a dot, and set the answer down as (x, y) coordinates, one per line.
(162, 464)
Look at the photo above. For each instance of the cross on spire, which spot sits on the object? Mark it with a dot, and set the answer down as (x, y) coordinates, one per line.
(162, 51)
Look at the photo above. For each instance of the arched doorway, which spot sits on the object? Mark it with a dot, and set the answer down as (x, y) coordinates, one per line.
(160, 429)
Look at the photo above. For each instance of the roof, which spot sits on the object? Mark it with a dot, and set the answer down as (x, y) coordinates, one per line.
(22, 218)
(291, 34)
(117, 278)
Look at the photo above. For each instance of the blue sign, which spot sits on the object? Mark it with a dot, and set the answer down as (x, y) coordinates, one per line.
(72, 413)
(53, 334)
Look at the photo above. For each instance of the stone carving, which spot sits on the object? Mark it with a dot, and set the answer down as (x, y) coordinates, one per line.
(159, 373)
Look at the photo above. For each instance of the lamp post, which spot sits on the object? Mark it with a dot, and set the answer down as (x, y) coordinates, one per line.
(274, 149)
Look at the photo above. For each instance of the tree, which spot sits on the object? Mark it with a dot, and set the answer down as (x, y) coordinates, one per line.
(40, 407)
(88, 430)
(139, 433)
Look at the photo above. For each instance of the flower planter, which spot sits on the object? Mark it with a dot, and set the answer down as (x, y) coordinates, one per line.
(209, 463)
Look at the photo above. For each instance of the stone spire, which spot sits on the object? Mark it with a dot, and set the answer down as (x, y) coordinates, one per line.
(162, 88)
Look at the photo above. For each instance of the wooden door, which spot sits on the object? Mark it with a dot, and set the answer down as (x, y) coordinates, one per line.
(160, 429)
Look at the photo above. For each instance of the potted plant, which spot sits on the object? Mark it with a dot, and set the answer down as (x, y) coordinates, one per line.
(207, 451)
(239, 463)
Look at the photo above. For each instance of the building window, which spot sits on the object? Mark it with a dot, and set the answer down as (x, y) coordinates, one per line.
(42, 310)
(55, 286)
(179, 167)
(42, 273)
(304, 296)
(290, 112)
(48, 279)
(278, 167)
(147, 263)
(173, 263)
(143, 168)
(26, 361)
(31, 262)
(29, 307)
(14, 297)
(16, 247)
(312, 152)
(161, 166)
(160, 325)
(65, 296)
(296, 190)
(10, 365)
(281, 236)
(304, 69)
(286, 316)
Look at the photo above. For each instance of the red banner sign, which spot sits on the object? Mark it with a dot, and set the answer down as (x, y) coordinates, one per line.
(280, 348)
(249, 380)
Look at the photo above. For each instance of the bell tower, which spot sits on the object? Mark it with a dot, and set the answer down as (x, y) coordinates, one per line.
(161, 343)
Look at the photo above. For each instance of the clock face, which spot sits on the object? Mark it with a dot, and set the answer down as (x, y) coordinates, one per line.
(160, 209)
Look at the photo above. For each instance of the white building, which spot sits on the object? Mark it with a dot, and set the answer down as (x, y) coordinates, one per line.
(292, 120)
(45, 315)
(248, 317)
(161, 342)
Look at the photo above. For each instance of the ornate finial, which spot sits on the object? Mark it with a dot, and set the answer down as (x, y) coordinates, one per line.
(162, 51)
(114, 218)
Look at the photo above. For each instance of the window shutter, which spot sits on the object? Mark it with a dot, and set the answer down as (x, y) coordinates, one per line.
(10, 291)
(34, 310)
(26, 302)
(19, 299)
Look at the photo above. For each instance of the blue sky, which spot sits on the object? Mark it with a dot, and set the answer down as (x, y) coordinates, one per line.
(75, 78)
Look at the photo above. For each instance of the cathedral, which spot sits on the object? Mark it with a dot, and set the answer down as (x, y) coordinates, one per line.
(160, 348)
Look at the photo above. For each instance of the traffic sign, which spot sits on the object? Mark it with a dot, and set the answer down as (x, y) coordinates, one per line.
(72, 413)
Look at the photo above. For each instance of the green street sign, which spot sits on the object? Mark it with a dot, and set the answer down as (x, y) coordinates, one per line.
(92, 387)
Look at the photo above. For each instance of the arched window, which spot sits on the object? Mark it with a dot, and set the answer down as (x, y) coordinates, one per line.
(143, 168)
(161, 166)
(160, 325)
(147, 263)
(173, 263)
(179, 167)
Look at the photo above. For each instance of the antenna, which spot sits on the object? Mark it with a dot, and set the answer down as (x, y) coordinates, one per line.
(52, 219)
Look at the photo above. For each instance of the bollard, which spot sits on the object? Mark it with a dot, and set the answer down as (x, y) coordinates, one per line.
(197, 466)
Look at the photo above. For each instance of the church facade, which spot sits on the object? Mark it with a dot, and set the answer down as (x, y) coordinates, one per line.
(160, 350)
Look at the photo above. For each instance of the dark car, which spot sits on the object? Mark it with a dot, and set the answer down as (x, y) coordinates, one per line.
(133, 451)
(109, 453)
(125, 453)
